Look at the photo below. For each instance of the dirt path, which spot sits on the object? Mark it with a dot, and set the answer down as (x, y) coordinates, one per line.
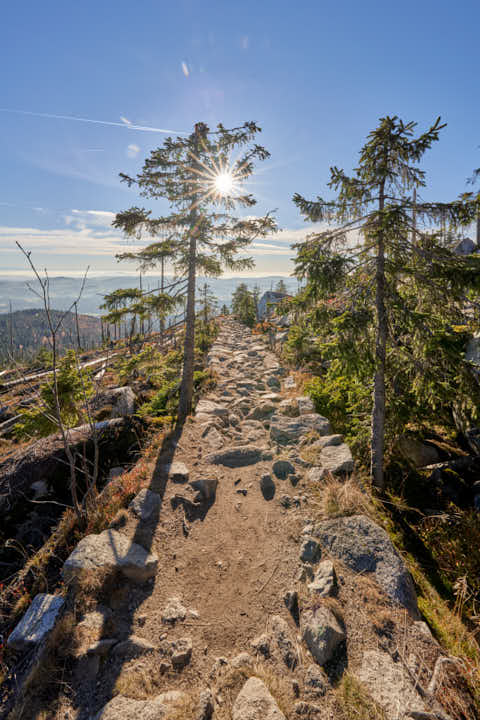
(228, 562)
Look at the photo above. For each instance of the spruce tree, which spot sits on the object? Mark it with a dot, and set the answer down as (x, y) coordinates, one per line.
(203, 186)
(387, 250)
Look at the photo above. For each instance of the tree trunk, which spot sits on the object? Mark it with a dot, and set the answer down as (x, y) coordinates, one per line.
(162, 318)
(478, 229)
(378, 414)
(186, 388)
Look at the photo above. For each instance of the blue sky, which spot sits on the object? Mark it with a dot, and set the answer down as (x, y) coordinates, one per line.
(315, 74)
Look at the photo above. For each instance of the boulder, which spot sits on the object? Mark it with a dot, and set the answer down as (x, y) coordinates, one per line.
(337, 459)
(119, 401)
(418, 453)
(207, 407)
(109, 551)
(286, 431)
(281, 636)
(288, 407)
(325, 580)
(322, 633)
(363, 546)
(236, 456)
(263, 410)
(37, 622)
(123, 708)
(254, 702)
(389, 684)
(146, 505)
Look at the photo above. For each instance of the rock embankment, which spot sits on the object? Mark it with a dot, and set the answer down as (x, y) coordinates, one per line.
(228, 590)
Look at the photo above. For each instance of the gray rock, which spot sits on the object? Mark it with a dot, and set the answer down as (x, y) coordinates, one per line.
(267, 486)
(261, 645)
(109, 551)
(322, 633)
(207, 407)
(289, 383)
(283, 468)
(236, 456)
(205, 705)
(120, 400)
(310, 552)
(286, 431)
(308, 709)
(123, 708)
(389, 684)
(146, 505)
(273, 382)
(263, 410)
(316, 682)
(336, 459)
(363, 546)
(418, 453)
(176, 471)
(242, 660)
(37, 622)
(281, 636)
(289, 407)
(174, 611)
(181, 652)
(306, 405)
(254, 702)
(325, 581)
(206, 487)
(291, 602)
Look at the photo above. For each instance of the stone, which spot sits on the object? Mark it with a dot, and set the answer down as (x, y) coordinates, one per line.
(119, 401)
(418, 453)
(236, 456)
(133, 647)
(291, 602)
(325, 581)
(261, 645)
(316, 474)
(146, 505)
(205, 705)
(334, 458)
(306, 405)
(176, 471)
(281, 636)
(283, 468)
(310, 552)
(389, 684)
(213, 437)
(242, 660)
(363, 546)
(207, 407)
(308, 709)
(174, 611)
(37, 622)
(207, 489)
(262, 410)
(289, 407)
(123, 708)
(273, 382)
(110, 551)
(181, 652)
(322, 633)
(286, 431)
(289, 383)
(254, 702)
(267, 486)
(316, 682)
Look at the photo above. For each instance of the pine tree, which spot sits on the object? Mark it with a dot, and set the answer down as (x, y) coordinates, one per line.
(243, 305)
(281, 287)
(377, 202)
(195, 175)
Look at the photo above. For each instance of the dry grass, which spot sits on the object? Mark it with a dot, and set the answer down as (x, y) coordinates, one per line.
(356, 702)
(339, 498)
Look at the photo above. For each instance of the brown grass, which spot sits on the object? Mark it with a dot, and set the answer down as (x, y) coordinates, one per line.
(339, 498)
(356, 702)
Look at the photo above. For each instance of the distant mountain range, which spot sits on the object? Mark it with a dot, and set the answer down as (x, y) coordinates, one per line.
(30, 331)
(64, 290)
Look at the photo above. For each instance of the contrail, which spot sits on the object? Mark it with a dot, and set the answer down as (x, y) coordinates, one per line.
(125, 124)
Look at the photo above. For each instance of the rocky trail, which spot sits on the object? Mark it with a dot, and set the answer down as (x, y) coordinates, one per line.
(226, 592)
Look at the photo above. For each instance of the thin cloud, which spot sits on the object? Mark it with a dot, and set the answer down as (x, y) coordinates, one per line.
(185, 69)
(132, 150)
(124, 124)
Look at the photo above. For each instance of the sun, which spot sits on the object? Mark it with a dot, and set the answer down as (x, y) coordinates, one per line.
(224, 183)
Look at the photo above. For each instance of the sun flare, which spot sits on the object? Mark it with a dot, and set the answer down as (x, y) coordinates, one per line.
(224, 183)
